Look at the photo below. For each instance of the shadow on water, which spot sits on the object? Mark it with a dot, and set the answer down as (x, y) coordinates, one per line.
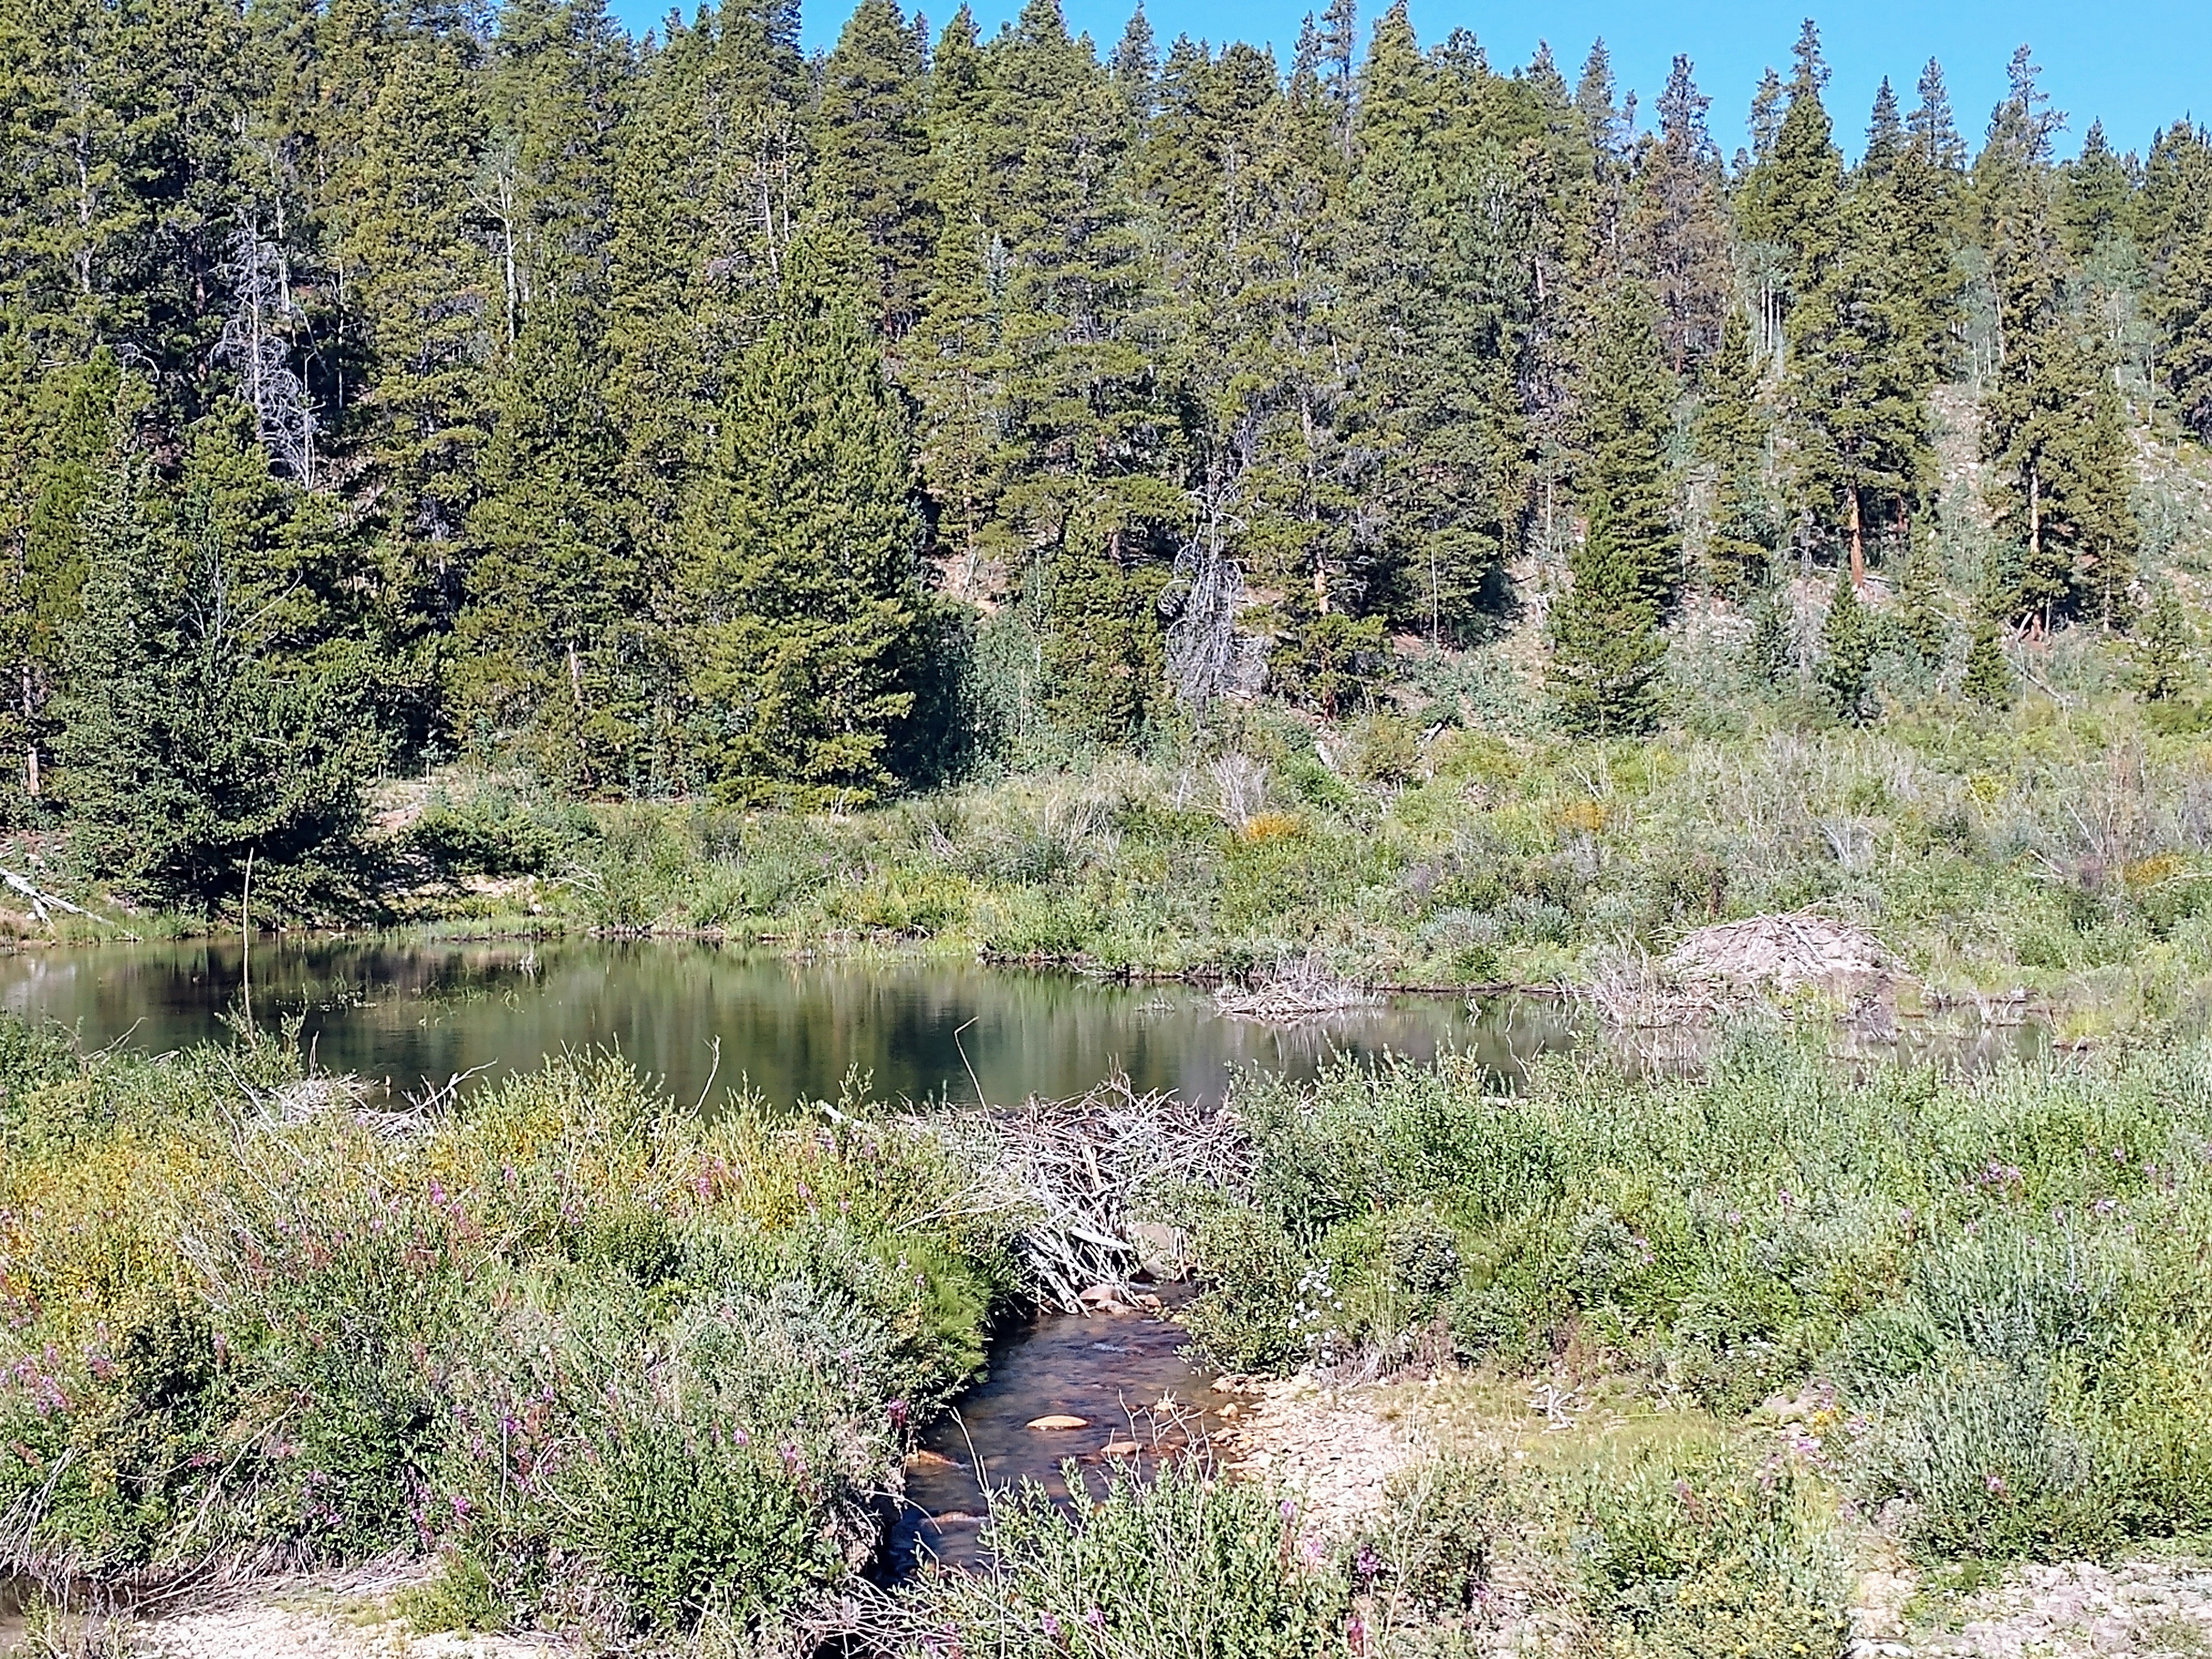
(1119, 1375)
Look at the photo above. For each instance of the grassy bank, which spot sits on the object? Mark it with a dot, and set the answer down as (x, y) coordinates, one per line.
(2058, 850)
(624, 1373)
(2061, 851)
(620, 1368)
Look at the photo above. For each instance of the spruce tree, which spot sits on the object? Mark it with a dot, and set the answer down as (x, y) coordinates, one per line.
(1629, 410)
(2177, 217)
(2053, 436)
(1864, 451)
(1989, 680)
(871, 155)
(185, 748)
(1626, 575)
(1732, 441)
(801, 618)
(1923, 626)
(2163, 647)
(551, 630)
(1772, 649)
(1847, 647)
(1682, 222)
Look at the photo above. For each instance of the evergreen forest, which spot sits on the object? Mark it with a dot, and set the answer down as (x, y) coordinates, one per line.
(388, 386)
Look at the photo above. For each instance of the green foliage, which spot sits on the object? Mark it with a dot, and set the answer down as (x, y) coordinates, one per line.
(2163, 647)
(808, 615)
(619, 1417)
(1688, 1555)
(1847, 647)
(189, 744)
(1989, 679)
(1178, 1563)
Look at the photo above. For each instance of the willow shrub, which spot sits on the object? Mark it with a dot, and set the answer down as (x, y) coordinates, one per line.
(619, 1365)
(1995, 1277)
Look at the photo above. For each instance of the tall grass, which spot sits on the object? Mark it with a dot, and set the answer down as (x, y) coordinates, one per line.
(620, 1367)
(1995, 1283)
(2061, 850)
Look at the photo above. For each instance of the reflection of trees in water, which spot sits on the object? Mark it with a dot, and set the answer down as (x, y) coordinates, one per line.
(792, 1030)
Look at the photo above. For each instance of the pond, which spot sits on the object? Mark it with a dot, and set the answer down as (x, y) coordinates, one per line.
(412, 1013)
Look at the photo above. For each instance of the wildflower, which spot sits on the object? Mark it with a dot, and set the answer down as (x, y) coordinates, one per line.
(1096, 1619)
(1368, 1566)
(1995, 1483)
(899, 1412)
(1049, 1626)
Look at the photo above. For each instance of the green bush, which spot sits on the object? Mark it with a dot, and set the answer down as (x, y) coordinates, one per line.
(1690, 1554)
(495, 832)
(1179, 1565)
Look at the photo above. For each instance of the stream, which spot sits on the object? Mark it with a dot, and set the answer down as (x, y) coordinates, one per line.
(1117, 1379)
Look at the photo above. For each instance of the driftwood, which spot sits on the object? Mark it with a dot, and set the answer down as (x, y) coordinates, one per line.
(1069, 1173)
(41, 900)
(1295, 991)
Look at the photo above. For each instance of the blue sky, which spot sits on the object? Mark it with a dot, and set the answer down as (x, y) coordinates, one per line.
(2137, 64)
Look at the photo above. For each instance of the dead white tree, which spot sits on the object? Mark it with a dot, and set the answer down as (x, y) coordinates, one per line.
(257, 342)
(1208, 656)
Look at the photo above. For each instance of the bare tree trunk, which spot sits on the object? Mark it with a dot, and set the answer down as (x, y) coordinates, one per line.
(1858, 543)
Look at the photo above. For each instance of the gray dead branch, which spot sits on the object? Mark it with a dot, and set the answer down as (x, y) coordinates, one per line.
(1297, 991)
(42, 902)
(1072, 1176)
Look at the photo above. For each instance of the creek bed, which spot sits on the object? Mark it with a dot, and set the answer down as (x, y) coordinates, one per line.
(1122, 1373)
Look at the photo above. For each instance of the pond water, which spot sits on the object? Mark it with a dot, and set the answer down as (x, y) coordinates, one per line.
(408, 1012)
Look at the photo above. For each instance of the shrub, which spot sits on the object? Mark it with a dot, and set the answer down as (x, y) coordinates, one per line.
(1181, 1564)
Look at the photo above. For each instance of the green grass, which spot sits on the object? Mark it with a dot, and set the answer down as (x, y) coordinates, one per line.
(630, 1374)
(2062, 850)
(619, 1366)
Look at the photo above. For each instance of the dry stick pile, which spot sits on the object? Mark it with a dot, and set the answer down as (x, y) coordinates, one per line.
(1300, 990)
(1069, 1170)
(1786, 951)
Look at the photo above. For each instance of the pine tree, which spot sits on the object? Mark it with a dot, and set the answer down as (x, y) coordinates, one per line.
(423, 288)
(1732, 442)
(1606, 645)
(871, 155)
(1865, 453)
(1847, 646)
(185, 748)
(1988, 679)
(1631, 401)
(802, 618)
(2177, 215)
(2164, 648)
(1683, 225)
(1772, 650)
(2096, 197)
(554, 92)
(1606, 649)
(2051, 425)
(1922, 624)
(550, 638)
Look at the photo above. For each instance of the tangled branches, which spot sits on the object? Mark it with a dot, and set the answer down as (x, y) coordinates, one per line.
(1073, 1173)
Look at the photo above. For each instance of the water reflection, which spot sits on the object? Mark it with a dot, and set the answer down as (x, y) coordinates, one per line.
(407, 1012)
